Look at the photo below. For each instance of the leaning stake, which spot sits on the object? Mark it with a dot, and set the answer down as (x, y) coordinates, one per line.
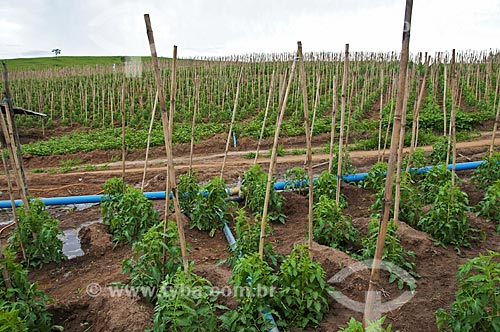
(371, 313)
(167, 136)
(303, 85)
(281, 112)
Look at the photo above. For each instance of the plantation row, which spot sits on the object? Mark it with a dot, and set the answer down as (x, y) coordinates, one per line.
(92, 96)
(301, 298)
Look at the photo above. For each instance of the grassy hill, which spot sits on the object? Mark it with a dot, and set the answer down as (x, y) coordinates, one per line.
(63, 61)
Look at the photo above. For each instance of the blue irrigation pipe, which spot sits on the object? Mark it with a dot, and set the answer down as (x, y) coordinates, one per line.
(67, 200)
(232, 244)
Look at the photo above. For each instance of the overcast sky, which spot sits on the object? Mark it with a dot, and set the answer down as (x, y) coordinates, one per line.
(32, 28)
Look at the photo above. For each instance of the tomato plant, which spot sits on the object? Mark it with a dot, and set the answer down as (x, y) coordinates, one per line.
(488, 172)
(127, 212)
(303, 292)
(38, 231)
(210, 209)
(447, 221)
(187, 303)
(393, 252)
(23, 297)
(326, 185)
(253, 281)
(188, 190)
(490, 205)
(248, 238)
(332, 227)
(149, 264)
(477, 301)
(253, 190)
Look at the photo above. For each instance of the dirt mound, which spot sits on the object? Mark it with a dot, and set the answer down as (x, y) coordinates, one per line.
(219, 277)
(103, 313)
(95, 239)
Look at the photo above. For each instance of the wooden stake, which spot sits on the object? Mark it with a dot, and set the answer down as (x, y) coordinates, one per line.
(149, 141)
(380, 115)
(303, 85)
(414, 129)
(371, 313)
(333, 129)
(494, 133)
(444, 99)
(233, 117)
(272, 162)
(266, 112)
(342, 120)
(453, 115)
(167, 135)
(195, 111)
(122, 105)
(15, 145)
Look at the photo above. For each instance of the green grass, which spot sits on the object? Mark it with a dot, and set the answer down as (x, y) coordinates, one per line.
(63, 61)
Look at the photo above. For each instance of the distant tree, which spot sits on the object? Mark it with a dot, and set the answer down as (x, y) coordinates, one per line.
(56, 51)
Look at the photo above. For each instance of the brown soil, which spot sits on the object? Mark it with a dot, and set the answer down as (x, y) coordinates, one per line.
(67, 282)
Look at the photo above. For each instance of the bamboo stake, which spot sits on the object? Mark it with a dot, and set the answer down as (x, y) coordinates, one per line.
(11, 195)
(444, 100)
(416, 113)
(371, 313)
(148, 143)
(495, 127)
(380, 116)
(272, 162)
(266, 112)
(13, 135)
(233, 117)
(316, 101)
(167, 136)
(333, 129)
(453, 115)
(342, 120)
(303, 84)
(195, 112)
(123, 133)
(397, 194)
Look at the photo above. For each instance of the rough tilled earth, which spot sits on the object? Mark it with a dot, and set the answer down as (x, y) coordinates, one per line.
(68, 282)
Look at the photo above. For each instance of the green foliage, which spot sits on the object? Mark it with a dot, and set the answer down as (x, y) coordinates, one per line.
(10, 320)
(439, 151)
(489, 207)
(253, 281)
(127, 212)
(253, 190)
(186, 303)
(248, 238)
(326, 185)
(410, 206)
(347, 166)
(149, 266)
(393, 251)
(418, 159)
(188, 190)
(375, 179)
(435, 179)
(477, 301)
(22, 297)
(39, 233)
(332, 227)
(447, 221)
(296, 178)
(210, 209)
(488, 172)
(355, 326)
(303, 291)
